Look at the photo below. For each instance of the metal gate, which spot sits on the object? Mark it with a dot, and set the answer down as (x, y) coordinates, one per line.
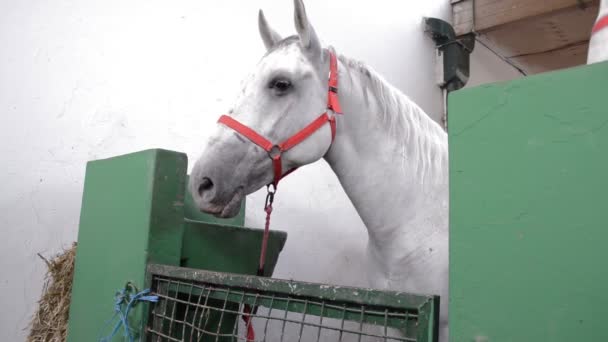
(198, 305)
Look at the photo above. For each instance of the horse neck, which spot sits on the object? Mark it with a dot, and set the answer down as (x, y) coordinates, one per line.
(391, 160)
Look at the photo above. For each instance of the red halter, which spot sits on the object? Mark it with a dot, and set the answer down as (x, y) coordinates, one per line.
(600, 24)
(276, 150)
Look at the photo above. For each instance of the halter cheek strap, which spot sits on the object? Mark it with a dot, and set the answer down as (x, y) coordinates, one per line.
(332, 93)
(275, 151)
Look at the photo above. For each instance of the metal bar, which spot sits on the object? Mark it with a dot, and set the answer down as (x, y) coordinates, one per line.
(236, 324)
(148, 307)
(303, 322)
(285, 319)
(172, 318)
(268, 320)
(428, 321)
(321, 321)
(361, 321)
(164, 315)
(369, 297)
(206, 318)
(342, 322)
(187, 308)
(198, 305)
(219, 325)
(385, 324)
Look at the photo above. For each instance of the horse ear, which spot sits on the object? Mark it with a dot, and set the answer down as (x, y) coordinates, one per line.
(269, 36)
(308, 37)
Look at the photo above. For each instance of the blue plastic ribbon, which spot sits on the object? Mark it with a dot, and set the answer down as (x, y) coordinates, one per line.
(121, 299)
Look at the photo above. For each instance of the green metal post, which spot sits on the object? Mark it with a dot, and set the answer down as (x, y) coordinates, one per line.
(132, 213)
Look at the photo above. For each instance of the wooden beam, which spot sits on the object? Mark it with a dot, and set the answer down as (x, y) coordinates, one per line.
(553, 60)
(528, 32)
(480, 15)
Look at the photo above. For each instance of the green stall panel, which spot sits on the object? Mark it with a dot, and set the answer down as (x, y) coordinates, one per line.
(528, 208)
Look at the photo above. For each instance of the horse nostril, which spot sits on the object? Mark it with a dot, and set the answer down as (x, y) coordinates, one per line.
(206, 184)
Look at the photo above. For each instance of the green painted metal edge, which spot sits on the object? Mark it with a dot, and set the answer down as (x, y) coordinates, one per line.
(132, 212)
(363, 296)
(212, 247)
(428, 320)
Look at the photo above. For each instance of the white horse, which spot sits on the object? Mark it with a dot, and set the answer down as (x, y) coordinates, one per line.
(390, 157)
(598, 43)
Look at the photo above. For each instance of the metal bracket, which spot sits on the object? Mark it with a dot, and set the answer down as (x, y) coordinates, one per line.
(452, 53)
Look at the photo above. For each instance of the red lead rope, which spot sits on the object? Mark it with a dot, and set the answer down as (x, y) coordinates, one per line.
(268, 210)
(275, 151)
(247, 309)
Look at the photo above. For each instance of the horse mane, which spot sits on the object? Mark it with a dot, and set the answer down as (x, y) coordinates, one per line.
(397, 110)
(419, 137)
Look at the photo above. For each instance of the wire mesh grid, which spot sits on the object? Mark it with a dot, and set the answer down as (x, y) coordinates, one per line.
(199, 310)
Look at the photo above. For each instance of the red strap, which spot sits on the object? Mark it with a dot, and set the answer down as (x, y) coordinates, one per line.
(600, 24)
(247, 132)
(262, 261)
(332, 95)
(256, 139)
(278, 169)
(247, 320)
(305, 132)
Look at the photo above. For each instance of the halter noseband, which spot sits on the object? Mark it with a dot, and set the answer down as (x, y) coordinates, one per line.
(275, 151)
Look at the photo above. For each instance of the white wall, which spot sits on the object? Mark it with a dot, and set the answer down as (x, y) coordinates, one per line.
(93, 79)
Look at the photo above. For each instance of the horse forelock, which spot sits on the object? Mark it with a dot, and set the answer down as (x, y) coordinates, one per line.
(286, 42)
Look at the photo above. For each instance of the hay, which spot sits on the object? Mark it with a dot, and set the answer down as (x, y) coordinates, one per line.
(50, 322)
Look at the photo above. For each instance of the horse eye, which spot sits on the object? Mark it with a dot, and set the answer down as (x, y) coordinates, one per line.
(280, 85)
